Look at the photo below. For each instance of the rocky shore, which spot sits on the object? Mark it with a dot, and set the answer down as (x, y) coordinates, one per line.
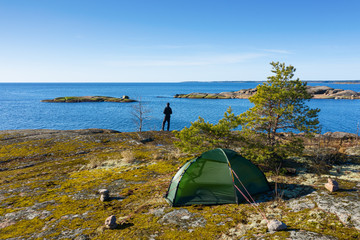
(51, 182)
(88, 99)
(318, 92)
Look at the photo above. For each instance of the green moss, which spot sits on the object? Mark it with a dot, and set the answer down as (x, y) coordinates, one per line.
(211, 97)
(60, 99)
(88, 179)
(320, 222)
(22, 229)
(196, 96)
(222, 97)
(55, 173)
(43, 148)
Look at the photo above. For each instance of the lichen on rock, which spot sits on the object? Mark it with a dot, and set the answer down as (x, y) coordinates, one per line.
(50, 183)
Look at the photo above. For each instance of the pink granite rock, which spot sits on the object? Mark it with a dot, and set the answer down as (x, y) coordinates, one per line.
(332, 185)
(110, 222)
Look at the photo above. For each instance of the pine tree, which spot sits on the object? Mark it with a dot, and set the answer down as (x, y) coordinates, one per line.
(279, 106)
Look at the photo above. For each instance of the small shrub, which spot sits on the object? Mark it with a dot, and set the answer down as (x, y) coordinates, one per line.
(202, 136)
(321, 162)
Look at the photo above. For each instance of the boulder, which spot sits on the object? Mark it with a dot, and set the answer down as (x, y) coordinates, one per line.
(276, 225)
(110, 222)
(104, 195)
(332, 185)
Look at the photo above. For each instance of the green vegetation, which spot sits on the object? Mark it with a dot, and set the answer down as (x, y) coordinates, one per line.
(202, 136)
(279, 106)
(50, 183)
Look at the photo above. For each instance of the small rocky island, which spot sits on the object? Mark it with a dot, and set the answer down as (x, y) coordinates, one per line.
(89, 99)
(318, 92)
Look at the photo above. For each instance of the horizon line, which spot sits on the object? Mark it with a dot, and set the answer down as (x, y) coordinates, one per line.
(194, 81)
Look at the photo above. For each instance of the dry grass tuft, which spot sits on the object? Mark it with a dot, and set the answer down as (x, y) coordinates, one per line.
(158, 155)
(128, 156)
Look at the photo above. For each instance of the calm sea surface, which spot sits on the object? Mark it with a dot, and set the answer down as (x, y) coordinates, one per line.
(20, 106)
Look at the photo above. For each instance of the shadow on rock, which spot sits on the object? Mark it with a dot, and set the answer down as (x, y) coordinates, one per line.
(116, 198)
(285, 191)
(124, 225)
(289, 191)
(346, 190)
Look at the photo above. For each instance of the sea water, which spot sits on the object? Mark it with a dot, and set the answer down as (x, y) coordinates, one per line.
(21, 106)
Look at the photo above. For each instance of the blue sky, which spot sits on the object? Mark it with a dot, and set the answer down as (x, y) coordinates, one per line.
(176, 40)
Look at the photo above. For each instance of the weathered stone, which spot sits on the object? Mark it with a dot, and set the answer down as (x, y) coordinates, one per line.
(318, 92)
(342, 135)
(307, 235)
(347, 93)
(104, 198)
(110, 222)
(300, 204)
(318, 89)
(227, 94)
(346, 208)
(276, 225)
(104, 195)
(332, 185)
(183, 218)
(353, 151)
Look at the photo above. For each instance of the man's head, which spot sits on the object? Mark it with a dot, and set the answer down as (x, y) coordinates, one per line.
(168, 104)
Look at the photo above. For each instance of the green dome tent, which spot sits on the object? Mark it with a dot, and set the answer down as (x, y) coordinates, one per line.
(219, 176)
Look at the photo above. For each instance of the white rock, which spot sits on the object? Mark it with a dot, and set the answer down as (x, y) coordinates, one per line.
(104, 195)
(276, 225)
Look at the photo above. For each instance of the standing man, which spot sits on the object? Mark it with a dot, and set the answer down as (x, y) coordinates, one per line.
(167, 112)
